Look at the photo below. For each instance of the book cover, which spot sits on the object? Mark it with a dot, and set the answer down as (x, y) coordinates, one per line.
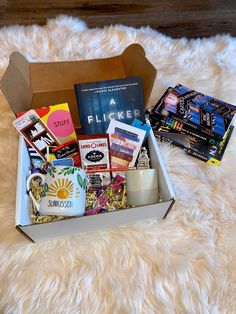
(58, 120)
(158, 121)
(196, 147)
(35, 132)
(100, 102)
(202, 113)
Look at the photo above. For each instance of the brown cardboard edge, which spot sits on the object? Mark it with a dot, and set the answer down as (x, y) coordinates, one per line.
(170, 207)
(24, 234)
(150, 74)
(134, 46)
(16, 60)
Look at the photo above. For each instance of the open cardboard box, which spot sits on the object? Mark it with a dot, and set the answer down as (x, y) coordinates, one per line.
(29, 85)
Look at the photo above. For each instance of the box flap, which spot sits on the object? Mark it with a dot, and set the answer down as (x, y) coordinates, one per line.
(15, 83)
(22, 199)
(136, 64)
(52, 76)
(157, 162)
(29, 85)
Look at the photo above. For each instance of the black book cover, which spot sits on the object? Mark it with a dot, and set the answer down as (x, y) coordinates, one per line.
(194, 146)
(158, 120)
(201, 113)
(101, 101)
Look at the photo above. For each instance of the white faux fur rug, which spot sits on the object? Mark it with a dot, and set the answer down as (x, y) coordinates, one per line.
(184, 264)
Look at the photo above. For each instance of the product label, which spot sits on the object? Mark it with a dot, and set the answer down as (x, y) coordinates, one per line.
(94, 154)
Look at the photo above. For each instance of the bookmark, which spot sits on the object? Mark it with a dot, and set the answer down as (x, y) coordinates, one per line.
(143, 126)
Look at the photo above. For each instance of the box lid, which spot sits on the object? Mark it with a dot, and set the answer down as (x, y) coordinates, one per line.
(29, 85)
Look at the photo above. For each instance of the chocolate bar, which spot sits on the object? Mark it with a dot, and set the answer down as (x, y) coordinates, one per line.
(65, 150)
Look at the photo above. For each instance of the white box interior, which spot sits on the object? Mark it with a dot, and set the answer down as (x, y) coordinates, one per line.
(88, 223)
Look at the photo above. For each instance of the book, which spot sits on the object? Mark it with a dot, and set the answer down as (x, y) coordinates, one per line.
(203, 114)
(100, 102)
(158, 122)
(212, 154)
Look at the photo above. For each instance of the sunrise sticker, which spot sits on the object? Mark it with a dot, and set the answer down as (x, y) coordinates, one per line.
(63, 189)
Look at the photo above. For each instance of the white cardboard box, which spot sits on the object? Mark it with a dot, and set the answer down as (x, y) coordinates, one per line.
(25, 87)
(37, 232)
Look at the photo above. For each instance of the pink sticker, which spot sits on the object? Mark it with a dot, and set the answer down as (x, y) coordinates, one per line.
(60, 123)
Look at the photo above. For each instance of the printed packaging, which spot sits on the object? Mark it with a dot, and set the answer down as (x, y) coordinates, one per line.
(35, 132)
(58, 120)
(94, 155)
(205, 115)
(100, 102)
(125, 141)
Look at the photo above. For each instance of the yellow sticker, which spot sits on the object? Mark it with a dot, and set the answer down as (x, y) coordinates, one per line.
(213, 161)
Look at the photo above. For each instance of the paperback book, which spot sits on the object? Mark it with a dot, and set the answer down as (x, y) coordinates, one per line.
(158, 121)
(200, 113)
(196, 147)
(102, 101)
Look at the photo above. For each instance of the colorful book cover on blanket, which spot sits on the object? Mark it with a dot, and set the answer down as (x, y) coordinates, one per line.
(157, 121)
(201, 113)
(194, 146)
(101, 101)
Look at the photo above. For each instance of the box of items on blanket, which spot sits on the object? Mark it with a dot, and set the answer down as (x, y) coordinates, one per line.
(87, 157)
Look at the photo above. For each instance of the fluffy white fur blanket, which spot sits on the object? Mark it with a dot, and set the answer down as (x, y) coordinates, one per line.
(184, 264)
